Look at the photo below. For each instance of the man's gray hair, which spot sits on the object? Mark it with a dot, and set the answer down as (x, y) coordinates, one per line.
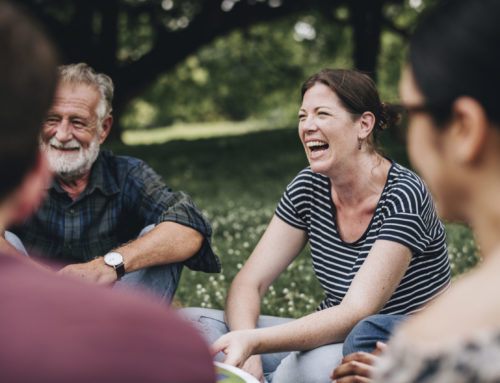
(83, 73)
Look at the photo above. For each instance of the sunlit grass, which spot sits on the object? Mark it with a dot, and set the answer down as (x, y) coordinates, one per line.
(194, 131)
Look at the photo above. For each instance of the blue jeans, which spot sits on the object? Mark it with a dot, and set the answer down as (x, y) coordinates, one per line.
(15, 241)
(161, 281)
(365, 335)
(284, 367)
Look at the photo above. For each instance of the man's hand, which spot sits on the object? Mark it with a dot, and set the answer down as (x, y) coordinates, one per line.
(357, 367)
(95, 271)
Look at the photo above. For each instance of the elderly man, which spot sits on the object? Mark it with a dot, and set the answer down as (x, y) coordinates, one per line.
(110, 217)
(54, 328)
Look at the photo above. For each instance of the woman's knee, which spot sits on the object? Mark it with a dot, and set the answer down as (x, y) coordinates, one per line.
(365, 335)
(313, 366)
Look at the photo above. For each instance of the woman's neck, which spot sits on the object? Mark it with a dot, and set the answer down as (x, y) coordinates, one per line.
(359, 180)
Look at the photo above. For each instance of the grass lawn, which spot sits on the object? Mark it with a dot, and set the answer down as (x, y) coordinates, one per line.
(193, 131)
(237, 182)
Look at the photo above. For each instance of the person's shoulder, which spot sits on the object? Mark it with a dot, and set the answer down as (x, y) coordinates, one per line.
(404, 184)
(120, 161)
(127, 167)
(400, 175)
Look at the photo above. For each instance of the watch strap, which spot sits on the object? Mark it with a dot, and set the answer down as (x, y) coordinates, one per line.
(120, 270)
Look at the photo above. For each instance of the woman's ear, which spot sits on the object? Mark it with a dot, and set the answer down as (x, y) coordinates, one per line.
(468, 132)
(367, 122)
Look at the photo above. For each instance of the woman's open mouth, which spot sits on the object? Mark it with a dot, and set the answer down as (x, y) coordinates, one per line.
(317, 146)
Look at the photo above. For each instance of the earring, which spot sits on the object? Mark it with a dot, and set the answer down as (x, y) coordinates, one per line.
(360, 141)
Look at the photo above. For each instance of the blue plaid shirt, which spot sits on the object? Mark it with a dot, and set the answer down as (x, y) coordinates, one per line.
(122, 197)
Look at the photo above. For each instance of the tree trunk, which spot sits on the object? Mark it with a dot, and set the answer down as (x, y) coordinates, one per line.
(366, 19)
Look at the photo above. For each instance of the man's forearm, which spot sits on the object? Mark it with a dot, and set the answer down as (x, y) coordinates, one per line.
(168, 242)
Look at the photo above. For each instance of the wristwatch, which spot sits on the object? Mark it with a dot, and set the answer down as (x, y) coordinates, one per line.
(115, 260)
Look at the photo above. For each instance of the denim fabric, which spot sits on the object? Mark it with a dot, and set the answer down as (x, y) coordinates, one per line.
(365, 335)
(284, 367)
(15, 241)
(161, 280)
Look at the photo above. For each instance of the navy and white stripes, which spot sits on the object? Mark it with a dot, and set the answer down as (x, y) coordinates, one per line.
(405, 214)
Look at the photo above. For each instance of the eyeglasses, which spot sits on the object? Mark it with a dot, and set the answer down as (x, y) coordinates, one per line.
(405, 112)
(412, 109)
(439, 112)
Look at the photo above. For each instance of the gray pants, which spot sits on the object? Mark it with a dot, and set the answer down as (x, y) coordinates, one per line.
(284, 367)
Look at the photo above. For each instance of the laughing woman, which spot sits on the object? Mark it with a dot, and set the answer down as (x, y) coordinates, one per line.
(376, 243)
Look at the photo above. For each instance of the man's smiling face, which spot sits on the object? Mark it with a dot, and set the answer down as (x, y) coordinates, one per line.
(70, 134)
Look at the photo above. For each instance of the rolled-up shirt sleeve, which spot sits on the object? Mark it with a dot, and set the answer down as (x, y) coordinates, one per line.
(155, 203)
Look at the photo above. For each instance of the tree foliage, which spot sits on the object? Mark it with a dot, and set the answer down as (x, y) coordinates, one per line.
(251, 73)
(138, 41)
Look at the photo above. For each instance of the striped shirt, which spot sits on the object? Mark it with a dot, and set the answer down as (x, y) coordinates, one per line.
(405, 214)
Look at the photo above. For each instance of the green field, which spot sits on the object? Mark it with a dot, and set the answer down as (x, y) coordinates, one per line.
(237, 182)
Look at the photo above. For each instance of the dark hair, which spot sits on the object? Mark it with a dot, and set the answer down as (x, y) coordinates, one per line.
(455, 52)
(28, 77)
(358, 94)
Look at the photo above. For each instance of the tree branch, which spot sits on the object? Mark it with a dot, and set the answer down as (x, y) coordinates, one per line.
(211, 22)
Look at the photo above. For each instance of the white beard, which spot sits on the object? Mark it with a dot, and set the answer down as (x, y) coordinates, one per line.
(72, 164)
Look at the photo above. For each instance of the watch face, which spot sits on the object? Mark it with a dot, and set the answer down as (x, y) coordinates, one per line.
(113, 259)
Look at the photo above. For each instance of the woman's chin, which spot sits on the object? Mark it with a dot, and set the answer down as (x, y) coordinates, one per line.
(318, 167)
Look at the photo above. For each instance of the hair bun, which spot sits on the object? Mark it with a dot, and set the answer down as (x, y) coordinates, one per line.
(390, 115)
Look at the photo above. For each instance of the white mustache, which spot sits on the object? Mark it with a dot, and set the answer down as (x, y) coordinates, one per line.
(72, 144)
